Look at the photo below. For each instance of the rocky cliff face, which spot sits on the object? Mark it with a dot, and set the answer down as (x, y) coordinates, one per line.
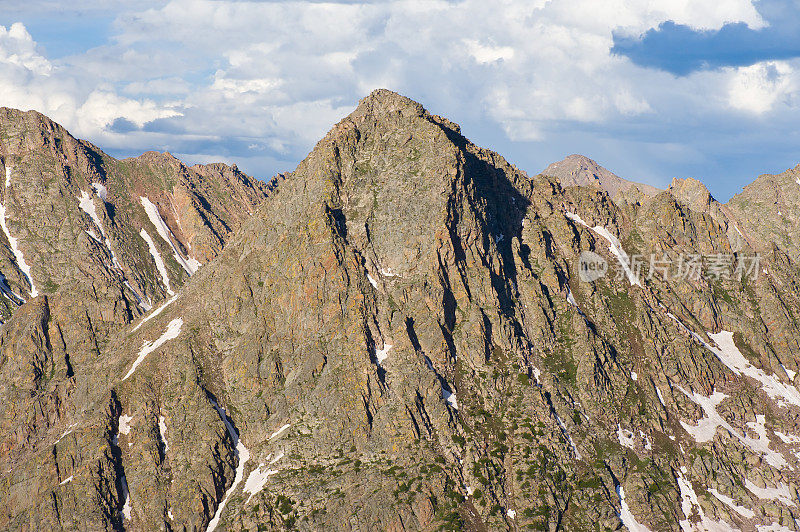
(769, 210)
(89, 244)
(400, 338)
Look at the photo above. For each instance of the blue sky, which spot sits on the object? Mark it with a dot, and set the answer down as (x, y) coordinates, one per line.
(651, 89)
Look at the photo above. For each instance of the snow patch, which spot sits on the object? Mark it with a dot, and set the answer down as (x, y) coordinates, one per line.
(172, 332)
(126, 508)
(730, 503)
(576, 218)
(125, 424)
(781, 493)
(683, 327)
(66, 432)
(372, 281)
(165, 233)
(258, 477)
(162, 430)
(616, 249)
(87, 205)
(634, 376)
(162, 270)
(774, 527)
(277, 457)
(706, 428)
(648, 445)
(787, 438)
(450, 398)
(242, 456)
(690, 505)
(101, 191)
(8, 176)
(68, 479)
(21, 264)
(126, 495)
(142, 303)
(511, 514)
(382, 354)
(625, 437)
(568, 437)
(156, 312)
(280, 431)
(626, 516)
(257, 480)
(387, 272)
(660, 397)
(571, 299)
(729, 354)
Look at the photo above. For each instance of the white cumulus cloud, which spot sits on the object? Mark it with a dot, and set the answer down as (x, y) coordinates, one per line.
(758, 88)
(260, 82)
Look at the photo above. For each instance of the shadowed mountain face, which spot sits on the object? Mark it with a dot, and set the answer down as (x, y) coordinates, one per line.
(399, 338)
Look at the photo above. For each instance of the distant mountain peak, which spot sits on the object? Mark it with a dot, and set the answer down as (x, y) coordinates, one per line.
(579, 170)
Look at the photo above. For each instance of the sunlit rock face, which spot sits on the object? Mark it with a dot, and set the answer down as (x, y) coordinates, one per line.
(398, 337)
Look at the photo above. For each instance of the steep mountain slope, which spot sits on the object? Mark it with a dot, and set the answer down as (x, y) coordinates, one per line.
(769, 209)
(72, 213)
(694, 195)
(577, 170)
(90, 244)
(403, 341)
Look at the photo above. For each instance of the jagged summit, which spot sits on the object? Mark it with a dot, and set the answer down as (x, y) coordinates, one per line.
(127, 232)
(17, 115)
(579, 170)
(692, 192)
(381, 101)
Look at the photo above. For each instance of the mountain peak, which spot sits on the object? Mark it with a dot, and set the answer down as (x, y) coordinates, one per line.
(11, 113)
(404, 327)
(579, 170)
(383, 102)
(692, 192)
(388, 100)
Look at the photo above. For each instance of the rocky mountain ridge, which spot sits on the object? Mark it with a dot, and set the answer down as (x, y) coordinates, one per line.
(404, 342)
(579, 170)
